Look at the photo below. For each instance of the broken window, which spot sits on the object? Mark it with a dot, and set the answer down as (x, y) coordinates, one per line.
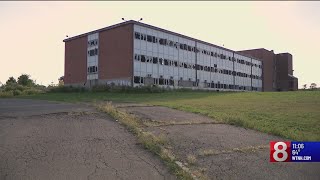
(161, 81)
(136, 79)
(161, 61)
(143, 58)
(155, 60)
(171, 82)
(137, 35)
(166, 62)
(149, 38)
(185, 65)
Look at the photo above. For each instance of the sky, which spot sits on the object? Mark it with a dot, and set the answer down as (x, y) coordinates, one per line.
(32, 33)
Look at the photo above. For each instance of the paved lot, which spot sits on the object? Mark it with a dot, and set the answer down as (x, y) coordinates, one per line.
(222, 151)
(46, 140)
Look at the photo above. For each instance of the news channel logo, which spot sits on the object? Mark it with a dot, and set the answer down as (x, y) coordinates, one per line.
(294, 151)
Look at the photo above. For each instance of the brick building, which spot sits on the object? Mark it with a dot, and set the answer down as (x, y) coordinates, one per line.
(136, 54)
(277, 72)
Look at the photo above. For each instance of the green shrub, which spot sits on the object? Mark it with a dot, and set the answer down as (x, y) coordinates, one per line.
(66, 89)
(32, 91)
(17, 92)
(6, 94)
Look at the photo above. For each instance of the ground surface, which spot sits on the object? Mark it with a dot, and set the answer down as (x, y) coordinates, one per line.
(222, 151)
(293, 115)
(46, 140)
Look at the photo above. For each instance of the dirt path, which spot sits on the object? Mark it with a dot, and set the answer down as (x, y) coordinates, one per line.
(218, 151)
(45, 140)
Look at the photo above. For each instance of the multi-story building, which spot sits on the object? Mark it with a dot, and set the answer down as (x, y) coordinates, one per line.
(134, 54)
(277, 70)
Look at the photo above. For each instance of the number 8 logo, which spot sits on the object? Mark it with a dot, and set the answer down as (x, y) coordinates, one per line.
(278, 151)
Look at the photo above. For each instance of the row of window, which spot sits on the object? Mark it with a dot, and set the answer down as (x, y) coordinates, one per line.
(93, 52)
(167, 62)
(93, 43)
(170, 82)
(186, 47)
(92, 69)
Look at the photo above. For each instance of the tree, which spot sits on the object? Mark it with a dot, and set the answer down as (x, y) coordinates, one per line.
(25, 80)
(313, 86)
(61, 82)
(305, 86)
(11, 80)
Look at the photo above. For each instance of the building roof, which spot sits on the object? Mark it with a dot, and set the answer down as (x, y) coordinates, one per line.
(159, 29)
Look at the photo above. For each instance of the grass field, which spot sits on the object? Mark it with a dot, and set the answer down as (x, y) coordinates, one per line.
(293, 115)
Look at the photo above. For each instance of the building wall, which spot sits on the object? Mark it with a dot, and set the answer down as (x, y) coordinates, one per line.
(76, 61)
(277, 70)
(175, 63)
(116, 55)
(269, 73)
(284, 61)
(100, 58)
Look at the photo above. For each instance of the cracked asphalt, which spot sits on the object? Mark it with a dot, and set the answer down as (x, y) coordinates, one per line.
(48, 140)
(236, 153)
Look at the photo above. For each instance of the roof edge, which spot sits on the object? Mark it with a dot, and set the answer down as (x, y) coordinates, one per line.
(161, 29)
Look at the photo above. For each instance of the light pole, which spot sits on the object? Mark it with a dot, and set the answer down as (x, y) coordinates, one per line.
(127, 20)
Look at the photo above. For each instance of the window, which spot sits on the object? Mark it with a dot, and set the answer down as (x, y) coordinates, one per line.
(171, 82)
(171, 43)
(136, 79)
(148, 59)
(161, 81)
(162, 42)
(155, 60)
(137, 35)
(185, 47)
(166, 62)
(161, 61)
(143, 58)
(92, 69)
(93, 52)
(149, 38)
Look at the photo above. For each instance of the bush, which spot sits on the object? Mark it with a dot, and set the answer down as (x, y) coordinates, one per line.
(32, 91)
(14, 86)
(17, 92)
(66, 89)
(6, 94)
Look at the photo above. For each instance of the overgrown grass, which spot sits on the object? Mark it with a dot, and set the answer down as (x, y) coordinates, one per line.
(155, 144)
(292, 115)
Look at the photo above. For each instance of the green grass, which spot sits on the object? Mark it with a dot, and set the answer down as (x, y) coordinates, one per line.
(293, 115)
